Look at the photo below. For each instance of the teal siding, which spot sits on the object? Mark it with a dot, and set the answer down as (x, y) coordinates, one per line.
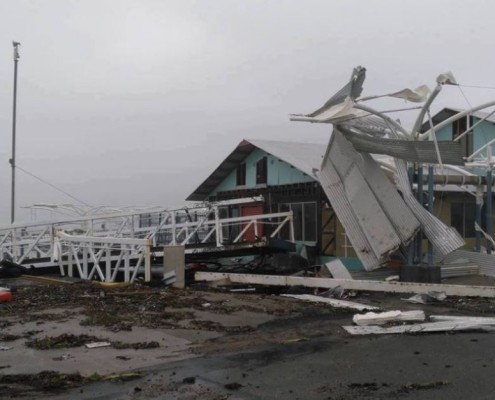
(279, 173)
(482, 133)
(445, 133)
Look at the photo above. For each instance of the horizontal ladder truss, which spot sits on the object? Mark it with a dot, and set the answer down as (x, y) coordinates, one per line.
(101, 246)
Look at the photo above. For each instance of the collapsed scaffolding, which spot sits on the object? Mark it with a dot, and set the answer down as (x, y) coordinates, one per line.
(102, 246)
(377, 219)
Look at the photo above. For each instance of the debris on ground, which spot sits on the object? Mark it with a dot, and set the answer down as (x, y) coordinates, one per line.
(422, 386)
(232, 386)
(52, 381)
(427, 327)
(96, 345)
(372, 318)
(427, 298)
(338, 270)
(64, 340)
(332, 302)
(5, 295)
(337, 292)
(189, 380)
(136, 346)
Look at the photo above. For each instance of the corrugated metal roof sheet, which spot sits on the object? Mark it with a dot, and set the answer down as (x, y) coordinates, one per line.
(486, 262)
(376, 219)
(410, 150)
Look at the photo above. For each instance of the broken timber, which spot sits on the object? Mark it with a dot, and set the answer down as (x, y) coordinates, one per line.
(332, 302)
(441, 326)
(350, 284)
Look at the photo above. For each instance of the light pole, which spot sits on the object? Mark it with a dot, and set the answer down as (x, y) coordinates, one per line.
(12, 160)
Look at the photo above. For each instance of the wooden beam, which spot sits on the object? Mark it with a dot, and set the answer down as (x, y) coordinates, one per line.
(350, 284)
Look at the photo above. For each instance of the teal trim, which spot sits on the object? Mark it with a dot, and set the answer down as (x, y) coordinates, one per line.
(482, 133)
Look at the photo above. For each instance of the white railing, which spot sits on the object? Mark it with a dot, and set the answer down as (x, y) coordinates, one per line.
(100, 246)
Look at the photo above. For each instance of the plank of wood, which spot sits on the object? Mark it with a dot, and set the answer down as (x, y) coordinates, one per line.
(457, 318)
(441, 326)
(372, 318)
(333, 302)
(349, 284)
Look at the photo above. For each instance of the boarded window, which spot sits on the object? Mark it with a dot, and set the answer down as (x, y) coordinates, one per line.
(241, 175)
(261, 171)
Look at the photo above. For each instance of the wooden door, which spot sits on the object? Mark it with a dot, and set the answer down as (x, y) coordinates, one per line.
(248, 210)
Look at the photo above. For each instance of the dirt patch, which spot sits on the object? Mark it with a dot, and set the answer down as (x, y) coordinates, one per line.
(410, 387)
(9, 338)
(136, 346)
(55, 382)
(65, 340)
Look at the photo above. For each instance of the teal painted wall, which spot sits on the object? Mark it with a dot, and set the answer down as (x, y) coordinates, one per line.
(279, 173)
(482, 133)
(445, 133)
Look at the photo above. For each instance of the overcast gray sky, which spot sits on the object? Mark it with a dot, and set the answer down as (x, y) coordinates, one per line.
(135, 102)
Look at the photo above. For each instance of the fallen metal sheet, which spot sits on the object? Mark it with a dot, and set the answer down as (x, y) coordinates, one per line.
(410, 150)
(351, 284)
(376, 219)
(372, 318)
(453, 270)
(481, 320)
(486, 262)
(399, 214)
(442, 326)
(333, 302)
(338, 269)
(334, 189)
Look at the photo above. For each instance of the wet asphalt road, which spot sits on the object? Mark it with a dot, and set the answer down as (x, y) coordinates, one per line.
(429, 366)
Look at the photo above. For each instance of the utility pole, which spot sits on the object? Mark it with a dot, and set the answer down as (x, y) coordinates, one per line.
(12, 160)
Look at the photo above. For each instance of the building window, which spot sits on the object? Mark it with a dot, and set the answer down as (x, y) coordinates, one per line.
(304, 216)
(261, 171)
(241, 175)
(458, 128)
(463, 217)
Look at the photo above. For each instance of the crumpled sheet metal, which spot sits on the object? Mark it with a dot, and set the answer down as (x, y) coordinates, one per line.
(373, 214)
(340, 106)
(335, 191)
(409, 150)
(445, 239)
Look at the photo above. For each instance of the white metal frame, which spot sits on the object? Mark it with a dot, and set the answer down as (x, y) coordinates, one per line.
(100, 246)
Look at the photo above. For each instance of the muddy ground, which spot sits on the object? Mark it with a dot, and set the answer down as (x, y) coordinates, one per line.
(201, 343)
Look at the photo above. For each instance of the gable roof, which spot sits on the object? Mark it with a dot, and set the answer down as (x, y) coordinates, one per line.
(304, 156)
(448, 112)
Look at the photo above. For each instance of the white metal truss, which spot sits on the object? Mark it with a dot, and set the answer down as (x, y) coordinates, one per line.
(101, 246)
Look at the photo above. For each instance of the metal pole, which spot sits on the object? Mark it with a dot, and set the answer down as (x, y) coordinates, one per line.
(411, 248)
(479, 204)
(14, 111)
(489, 225)
(430, 209)
(419, 237)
